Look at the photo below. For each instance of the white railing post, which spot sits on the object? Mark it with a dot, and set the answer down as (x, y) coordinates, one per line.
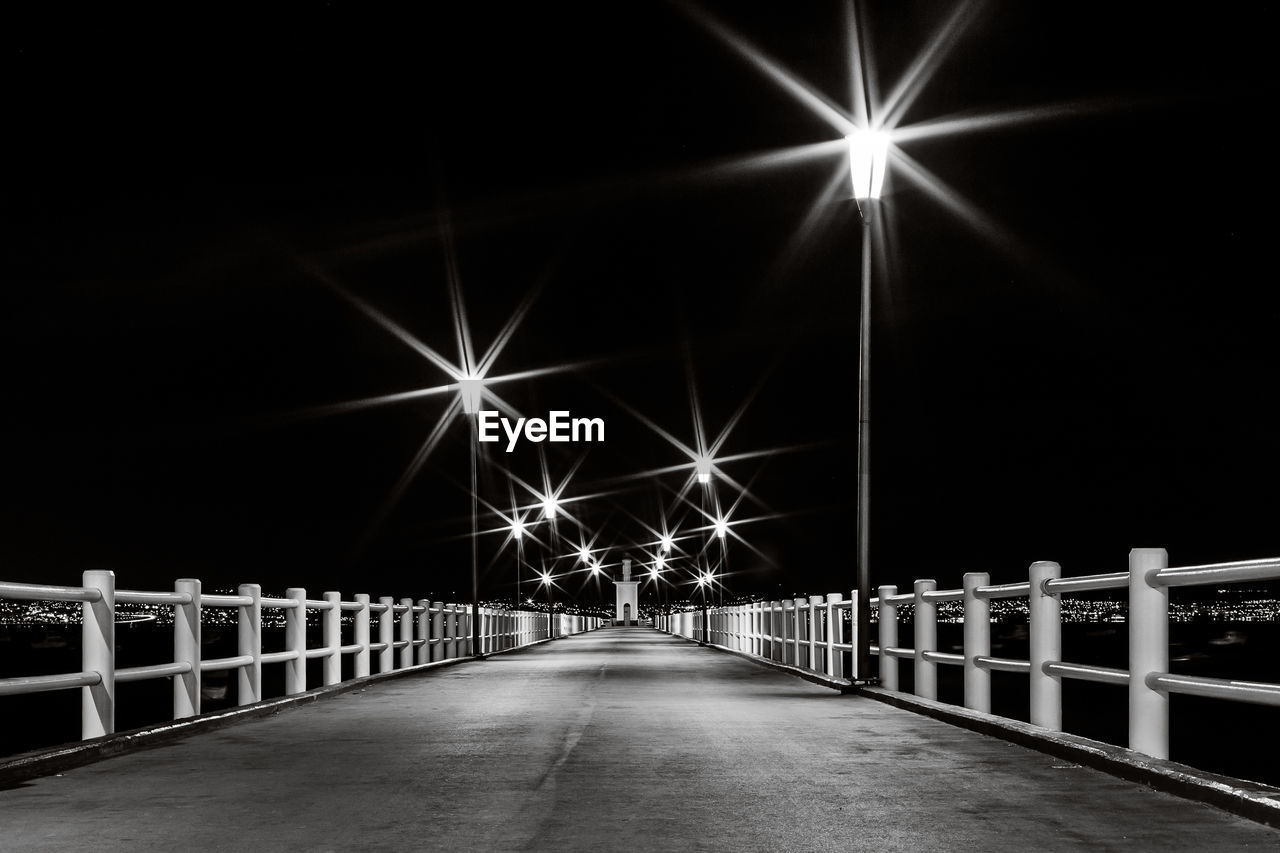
(888, 635)
(332, 622)
(450, 632)
(835, 618)
(814, 601)
(361, 638)
(437, 630)
(1148, 652)
(423, 635)
(406, 634)
(295, 640)
(926, 640)
(249, 642)
(778, 630)
(977, 643)
(186, 649)
(98, 654)
(387, 634)
(1045, 628)
(796, 623)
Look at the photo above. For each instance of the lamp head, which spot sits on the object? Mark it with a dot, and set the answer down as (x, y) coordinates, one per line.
(868, 153)
(472, 391)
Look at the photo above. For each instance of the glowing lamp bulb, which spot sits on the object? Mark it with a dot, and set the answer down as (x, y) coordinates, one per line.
(868, 152)
(703, 465)
(546, 577)
(653, 574)
(549, 508)
(472, 391)
(517, 530)
(722, 528)
(584, 554)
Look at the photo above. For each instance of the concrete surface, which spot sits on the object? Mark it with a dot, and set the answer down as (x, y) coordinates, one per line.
(620, 739)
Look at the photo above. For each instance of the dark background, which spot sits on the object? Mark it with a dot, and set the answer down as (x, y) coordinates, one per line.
(174, 179)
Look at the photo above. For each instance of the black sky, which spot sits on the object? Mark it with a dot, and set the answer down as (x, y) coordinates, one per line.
(174, 180)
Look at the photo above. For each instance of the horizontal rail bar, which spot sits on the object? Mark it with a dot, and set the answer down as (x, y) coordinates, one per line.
(377, 647)
(130, 596)
(278, 603)
(42, 683)
(225, 600)
(1084, 672)
(901, 598)
(1216, 688)
(377, 608)
(1003, 664)
(321, 652)
(944, 657)
(1003, 590)
(943, 595)
(1087, 583)
(279, 657)
(222, 664)
(351, 605)
(159, 670)
(895, 652)
(1245, 570)
(44, 592)
(320, 604)
(351, 648)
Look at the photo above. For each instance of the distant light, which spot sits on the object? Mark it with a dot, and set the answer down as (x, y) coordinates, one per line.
(660, 563)
(868, 152)
(722, 527)
(549, 508)
(584, 554)
(653, 574)
(595, 568)
(517, 530)
(472, 390)
(546, 577)
(666, 544)
(703, 465)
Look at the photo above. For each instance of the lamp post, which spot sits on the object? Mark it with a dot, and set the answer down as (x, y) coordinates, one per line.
(702, 585)
(517, 533)
(868, 153)
(551, 625)
(472, 390)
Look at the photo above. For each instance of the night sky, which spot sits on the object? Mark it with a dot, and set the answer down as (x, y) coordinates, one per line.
(1084, 363)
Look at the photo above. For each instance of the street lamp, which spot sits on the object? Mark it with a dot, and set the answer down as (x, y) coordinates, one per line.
(703, 467)
(549, 507)
(517, 533)
(545, 579)
(471, 389)
(665, 544)
(868, 156)
(704, 580)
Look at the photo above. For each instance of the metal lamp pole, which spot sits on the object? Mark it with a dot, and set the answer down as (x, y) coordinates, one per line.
(868, 153)
(472, 390)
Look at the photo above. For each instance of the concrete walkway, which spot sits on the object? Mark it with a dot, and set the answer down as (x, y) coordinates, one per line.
(620, 739)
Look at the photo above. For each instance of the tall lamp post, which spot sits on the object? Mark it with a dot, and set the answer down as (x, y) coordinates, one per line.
(472, 390)
(868, 153)
(551, 625)
(517, 533)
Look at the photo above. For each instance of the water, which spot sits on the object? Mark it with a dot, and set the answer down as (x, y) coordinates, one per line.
(1231, 738)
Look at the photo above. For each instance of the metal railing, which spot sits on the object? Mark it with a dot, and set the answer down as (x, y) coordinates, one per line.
(803, 632)
(408, 633)
(806, 633)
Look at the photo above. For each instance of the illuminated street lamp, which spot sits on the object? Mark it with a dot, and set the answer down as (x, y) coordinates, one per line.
(704, 580)
(703, 466)
(517, 533)
(549, 507)
(665, 544)
(471, 390)
(868, 157)
(545, 580)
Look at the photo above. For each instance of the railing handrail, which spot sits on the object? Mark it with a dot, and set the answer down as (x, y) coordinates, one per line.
(791, 631)
(409, 632)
